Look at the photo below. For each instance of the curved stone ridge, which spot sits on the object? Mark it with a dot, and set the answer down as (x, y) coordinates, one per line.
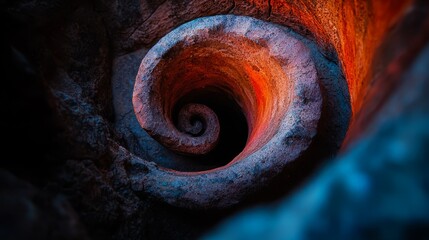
(263, 67)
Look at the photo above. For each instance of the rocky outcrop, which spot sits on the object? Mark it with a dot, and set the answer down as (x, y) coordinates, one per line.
(84, 167)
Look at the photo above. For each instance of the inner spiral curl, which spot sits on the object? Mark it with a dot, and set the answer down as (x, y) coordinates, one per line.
(198, 120)
(263, 68)
(202, 59)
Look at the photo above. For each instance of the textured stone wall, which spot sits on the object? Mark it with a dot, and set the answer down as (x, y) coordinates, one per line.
(78, 164)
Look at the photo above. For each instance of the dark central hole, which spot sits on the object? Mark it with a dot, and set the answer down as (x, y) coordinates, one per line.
(198, 120)
(233, 125)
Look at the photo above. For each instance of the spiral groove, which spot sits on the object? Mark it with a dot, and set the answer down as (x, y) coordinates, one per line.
(261, 67)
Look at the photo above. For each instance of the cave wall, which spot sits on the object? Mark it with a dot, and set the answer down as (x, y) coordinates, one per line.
(353, 30)
(74, 180)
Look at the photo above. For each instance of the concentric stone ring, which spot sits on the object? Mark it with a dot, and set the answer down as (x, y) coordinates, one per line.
(263, 68)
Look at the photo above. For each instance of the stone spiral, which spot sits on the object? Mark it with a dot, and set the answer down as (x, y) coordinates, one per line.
(263, 68)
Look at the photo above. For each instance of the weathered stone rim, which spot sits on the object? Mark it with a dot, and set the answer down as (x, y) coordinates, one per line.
(224, 186)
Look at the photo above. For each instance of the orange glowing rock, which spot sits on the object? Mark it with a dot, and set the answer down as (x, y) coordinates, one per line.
(263, 67)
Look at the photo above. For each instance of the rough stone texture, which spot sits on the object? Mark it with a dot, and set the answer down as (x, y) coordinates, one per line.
(351, 30)
(268, 71)
(331, 130)
(67, 141)
(381, 195)
(165, 15)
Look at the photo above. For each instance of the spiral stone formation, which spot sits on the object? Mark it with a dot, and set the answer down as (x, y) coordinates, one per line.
(261, 67)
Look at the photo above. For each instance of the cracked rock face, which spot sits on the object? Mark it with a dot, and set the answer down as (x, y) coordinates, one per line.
(128, 118)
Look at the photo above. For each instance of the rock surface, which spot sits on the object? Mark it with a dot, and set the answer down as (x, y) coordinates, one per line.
(381, 195)
(68, 63)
